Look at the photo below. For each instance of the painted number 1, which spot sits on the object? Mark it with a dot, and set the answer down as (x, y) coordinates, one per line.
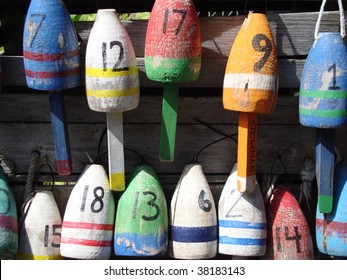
(333, 68)
(261, 43)
(166, 18)
(115, 67)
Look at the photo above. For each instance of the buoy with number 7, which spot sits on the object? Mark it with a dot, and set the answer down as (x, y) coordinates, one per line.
(40, 231)
(250, 87)
(241, 221)
(193, 218)
(8, 220)
(141, 227)
(51, 62)
(323, 101)
(88, 221)
(112, 84)
(172, 56)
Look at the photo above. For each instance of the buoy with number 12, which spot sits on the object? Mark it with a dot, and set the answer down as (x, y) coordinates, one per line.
(88, 222)
(193, 218)
(51, 62)
(112, 84)
(172, 56)
(141, 227)
(250, 87)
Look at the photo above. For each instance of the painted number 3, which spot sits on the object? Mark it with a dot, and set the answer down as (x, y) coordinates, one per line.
(261, 43)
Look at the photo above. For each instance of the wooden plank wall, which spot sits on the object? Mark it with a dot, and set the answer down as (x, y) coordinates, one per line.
(283, 143)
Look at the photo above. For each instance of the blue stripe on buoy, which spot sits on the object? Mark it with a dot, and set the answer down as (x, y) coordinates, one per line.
(193, 234)
(242, 241)
(239, 224)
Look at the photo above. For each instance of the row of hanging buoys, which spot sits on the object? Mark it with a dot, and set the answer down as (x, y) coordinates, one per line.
(323, 101)
(172, 56)
(331, 229)
(8, 220)
(141, 227)
(112, 84)
(51, 62)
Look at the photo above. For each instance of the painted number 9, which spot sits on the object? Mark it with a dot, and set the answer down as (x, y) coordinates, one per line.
(261, 43)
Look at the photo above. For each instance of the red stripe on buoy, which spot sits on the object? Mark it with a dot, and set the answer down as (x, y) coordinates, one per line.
(86, 242)
(50, 75)
(9, 223)
(88, 225)
(332, 228)
(49, 57)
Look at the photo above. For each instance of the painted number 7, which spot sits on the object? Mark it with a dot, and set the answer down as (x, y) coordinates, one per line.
(37, 27)
(166, 18)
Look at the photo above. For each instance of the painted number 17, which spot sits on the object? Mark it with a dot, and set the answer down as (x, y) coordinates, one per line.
(166, 18)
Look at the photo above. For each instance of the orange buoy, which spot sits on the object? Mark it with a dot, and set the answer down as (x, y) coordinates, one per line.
(89, 217)
(289, 236)
(112, 84)
(39, 237)
(193, 218)
(250, 87)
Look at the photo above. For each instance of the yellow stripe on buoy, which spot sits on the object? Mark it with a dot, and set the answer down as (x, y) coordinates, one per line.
(39, 258)
(112, 92)
(109, 72)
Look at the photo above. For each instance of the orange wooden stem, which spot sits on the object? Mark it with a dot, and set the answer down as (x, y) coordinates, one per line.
(247, 152)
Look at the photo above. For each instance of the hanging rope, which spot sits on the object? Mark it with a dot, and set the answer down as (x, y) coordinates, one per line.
(307, 175)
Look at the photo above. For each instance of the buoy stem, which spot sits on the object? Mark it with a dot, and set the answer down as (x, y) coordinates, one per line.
(168, 123)
(60, 132)
(325, 168)
(115, 150)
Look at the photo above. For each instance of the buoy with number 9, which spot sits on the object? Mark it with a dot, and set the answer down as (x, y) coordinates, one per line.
(88, 222)
(141, 227)
(193, 218)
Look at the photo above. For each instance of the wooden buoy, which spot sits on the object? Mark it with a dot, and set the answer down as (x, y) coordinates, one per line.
(289, 236)
(193, 218)
(323, 101)
(51, 62)
(250, 87)
(40, 232)
(89, 217)
(331, 229)
(141, 227)
(172, 56)
(112, 84)
(241, 221)
(8, 221)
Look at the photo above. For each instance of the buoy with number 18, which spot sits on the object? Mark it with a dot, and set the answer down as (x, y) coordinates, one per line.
(241, 221)
(88, 222)
(51, 62)
(193, 218)
(141, 227)
(112, 84)
(323, 101)
(172, 56)
(250, 87)
(40, 231)
(8, 220)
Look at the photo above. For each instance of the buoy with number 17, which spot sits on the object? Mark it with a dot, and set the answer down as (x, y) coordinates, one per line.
(51, 62)
(112, 84)
(172, 56)
(250, 87)
(193, 218)
(141, 227)
(88, 222)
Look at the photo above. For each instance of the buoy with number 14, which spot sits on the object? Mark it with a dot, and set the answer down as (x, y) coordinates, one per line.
(112, 84)
(250, 87)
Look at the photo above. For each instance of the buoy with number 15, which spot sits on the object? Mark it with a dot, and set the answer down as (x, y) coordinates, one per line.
(112, 84)
(250, 87)
(193, 218)
(88, 222)
(141, 227)
(51, 62)
(172, 56)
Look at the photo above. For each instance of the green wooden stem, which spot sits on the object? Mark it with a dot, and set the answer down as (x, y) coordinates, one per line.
(168, 122)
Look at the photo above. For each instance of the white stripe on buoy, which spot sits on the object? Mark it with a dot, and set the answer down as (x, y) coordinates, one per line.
(253, 81)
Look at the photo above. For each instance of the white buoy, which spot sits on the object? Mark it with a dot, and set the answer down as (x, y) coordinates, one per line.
(193, 217)
(89, 217)
(39, 237)
(242, 220)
